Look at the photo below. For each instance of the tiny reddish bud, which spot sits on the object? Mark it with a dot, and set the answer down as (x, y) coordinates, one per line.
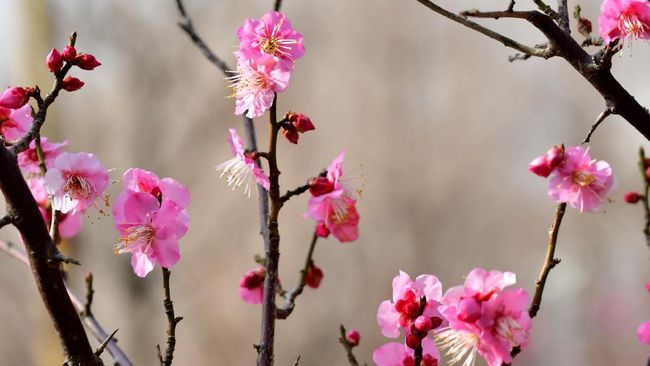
(314, 276)
(290, 133)
(413, 341)
(303, 123)
(429, 360)
(86, 61)
(322, 231)
(584, 26)
(69, 54)
(253, 279)
(647, 173)
(54, 60)
(319, 186)
(14, 97)
(647, 286)
(646, 162)
(71, 84)
(423, 323)
(4, 114)
(540, 167)
(412, 309)
(631, 197)
(353, 337)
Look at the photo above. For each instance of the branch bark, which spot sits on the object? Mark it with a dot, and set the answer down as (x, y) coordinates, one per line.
(348, 347)
(290, 297)
(172, 321)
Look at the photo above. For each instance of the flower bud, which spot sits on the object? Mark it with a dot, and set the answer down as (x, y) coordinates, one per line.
(71, 84)
(290, 133)
(540, 167)
(647, 173)
(353, 337)
(632, 197)
(86, 61)
(584, 26)
(14, 97)
(319, 186)
(314, 276)
(4, 114)
(253, 279)
(303, 123)
(54, 61)
(69, 54)
(555, 156)
(423, 323)
(413, 341)
(647, 286)
(469, 310)
(322, 231)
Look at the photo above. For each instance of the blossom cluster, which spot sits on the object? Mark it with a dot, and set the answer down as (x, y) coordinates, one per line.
(481, 316)
(574, 177)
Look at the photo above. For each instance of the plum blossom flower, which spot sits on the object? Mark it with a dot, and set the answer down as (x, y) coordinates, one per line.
(404, 309)
(398, 354)
(14, 123)
(581, 181)
(484, 319)
(28, 159)
(69, 224)
(342, 224)
(643, 333)
(149, 230)
(241, 171)
(622, 19)
(75, 182)
(255, 83)
(272, 35)
(251, 286)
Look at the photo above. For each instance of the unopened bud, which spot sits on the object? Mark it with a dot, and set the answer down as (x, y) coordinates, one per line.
(69, 54)
(290, 133)
(632, 197)
(303, 123)
(54, 61)
(314, 276)
(14, 97)
(322, 231)
(71, 84)
(423, 323)
(87, 61)
(413, 341)
(319, 186)
(353, 337)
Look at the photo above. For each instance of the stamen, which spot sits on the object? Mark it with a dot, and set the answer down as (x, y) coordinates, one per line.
(458, 345)
(139, 236)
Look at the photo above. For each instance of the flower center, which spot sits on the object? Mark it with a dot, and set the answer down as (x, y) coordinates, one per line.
(510, 330)
(139, 236)
(269, 45)
(630, 24)
(458, 345)
(583, 179)
(77, 186)
(409, 308)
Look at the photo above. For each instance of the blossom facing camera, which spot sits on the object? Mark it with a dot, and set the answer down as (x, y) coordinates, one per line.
(75, 182)
(241, 171)
(14, 97)
(251, 286)
(624, 19)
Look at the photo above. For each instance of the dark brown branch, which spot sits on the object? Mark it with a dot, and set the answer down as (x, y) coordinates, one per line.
(297, 361)
(511, 6)
(172, 322)
(278, 4)
(599, 120)
(348, 347)
(546, 9)
(295, 192)
(90, 293)
(563, 16)
(47, 274)
(6, 220)
(549, 262)
(103, 345)
(290, 297)
(646, 189)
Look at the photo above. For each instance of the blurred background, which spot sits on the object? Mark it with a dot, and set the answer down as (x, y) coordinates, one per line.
(441, 124)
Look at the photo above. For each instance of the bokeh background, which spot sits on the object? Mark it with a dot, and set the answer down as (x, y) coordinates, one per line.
(438, 120)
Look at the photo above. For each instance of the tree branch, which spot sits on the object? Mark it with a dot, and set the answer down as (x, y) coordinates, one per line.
(276, 7)
(601, 118)
(563, 16)
(172, 322)
(6, 220)
(646, 190)
(295, 192)
(290, 297)
(348, 347)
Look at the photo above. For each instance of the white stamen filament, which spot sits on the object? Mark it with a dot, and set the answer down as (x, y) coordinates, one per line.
(238, 174)
(139, 236)
(458, 345)
(78, 186)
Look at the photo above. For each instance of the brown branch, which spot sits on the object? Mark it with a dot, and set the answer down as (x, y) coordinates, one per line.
(511, 6)
(290, 297)
(172, 322)
(90, 293)
(599, 120)
(6, 220)
(563, 16)
(549, 262)
(89, 321)
(546, 9)
(646, 189)
(47, 274)
(105, 343)
(276, 7)
(348, 347)
(295, 192)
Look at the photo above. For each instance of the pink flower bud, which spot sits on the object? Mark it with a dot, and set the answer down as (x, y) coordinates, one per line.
(554, 157)
(4, 114)
(71, 84)
(469, 310)
(647, 173)
(647, 286)
(303, 123)
(290, 133)
(353, 337)
(631, 197)
(314, 276)
(87, 61)
(413, 341)
(423, 323)
(540, 167)
(69, 54)
(54, 61)
(253, 279)
(320, 185)
(322, 231)
(14, 97)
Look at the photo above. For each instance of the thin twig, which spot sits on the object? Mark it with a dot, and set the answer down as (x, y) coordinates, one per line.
(290, 297)
(297, 361)
(599, 120)
(172, 321)
(295, 192)
(90, 293)
(546, 9)
(549, 262)
(6, 220)
(563, 16)
(511, 6)
(348, 347)
(278, 4)
(646, 190)
(101, 347)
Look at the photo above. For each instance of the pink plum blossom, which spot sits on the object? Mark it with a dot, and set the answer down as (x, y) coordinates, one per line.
(622, 19)
(14, 123)
(28, 159)
(643, 333)
(342, 224)
(149, 231)
(251, 286)
(241, 171)
(581, 181)
(69, 224)
(484, 318)
(404, 309)
(255, 83)
(272, 35)
(398, 354)
(75, 182)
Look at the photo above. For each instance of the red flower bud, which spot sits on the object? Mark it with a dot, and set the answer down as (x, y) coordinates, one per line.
(353, 337)
(303, 123)
(71, 84)
(322, 231)
(413, 341)
(14, 97)
(87, 61)
(314, 276)
(69, 54)
(319, 186)
(423, 323)
(290, 133)
(54, 61)
(253, 279)
(631, 197)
